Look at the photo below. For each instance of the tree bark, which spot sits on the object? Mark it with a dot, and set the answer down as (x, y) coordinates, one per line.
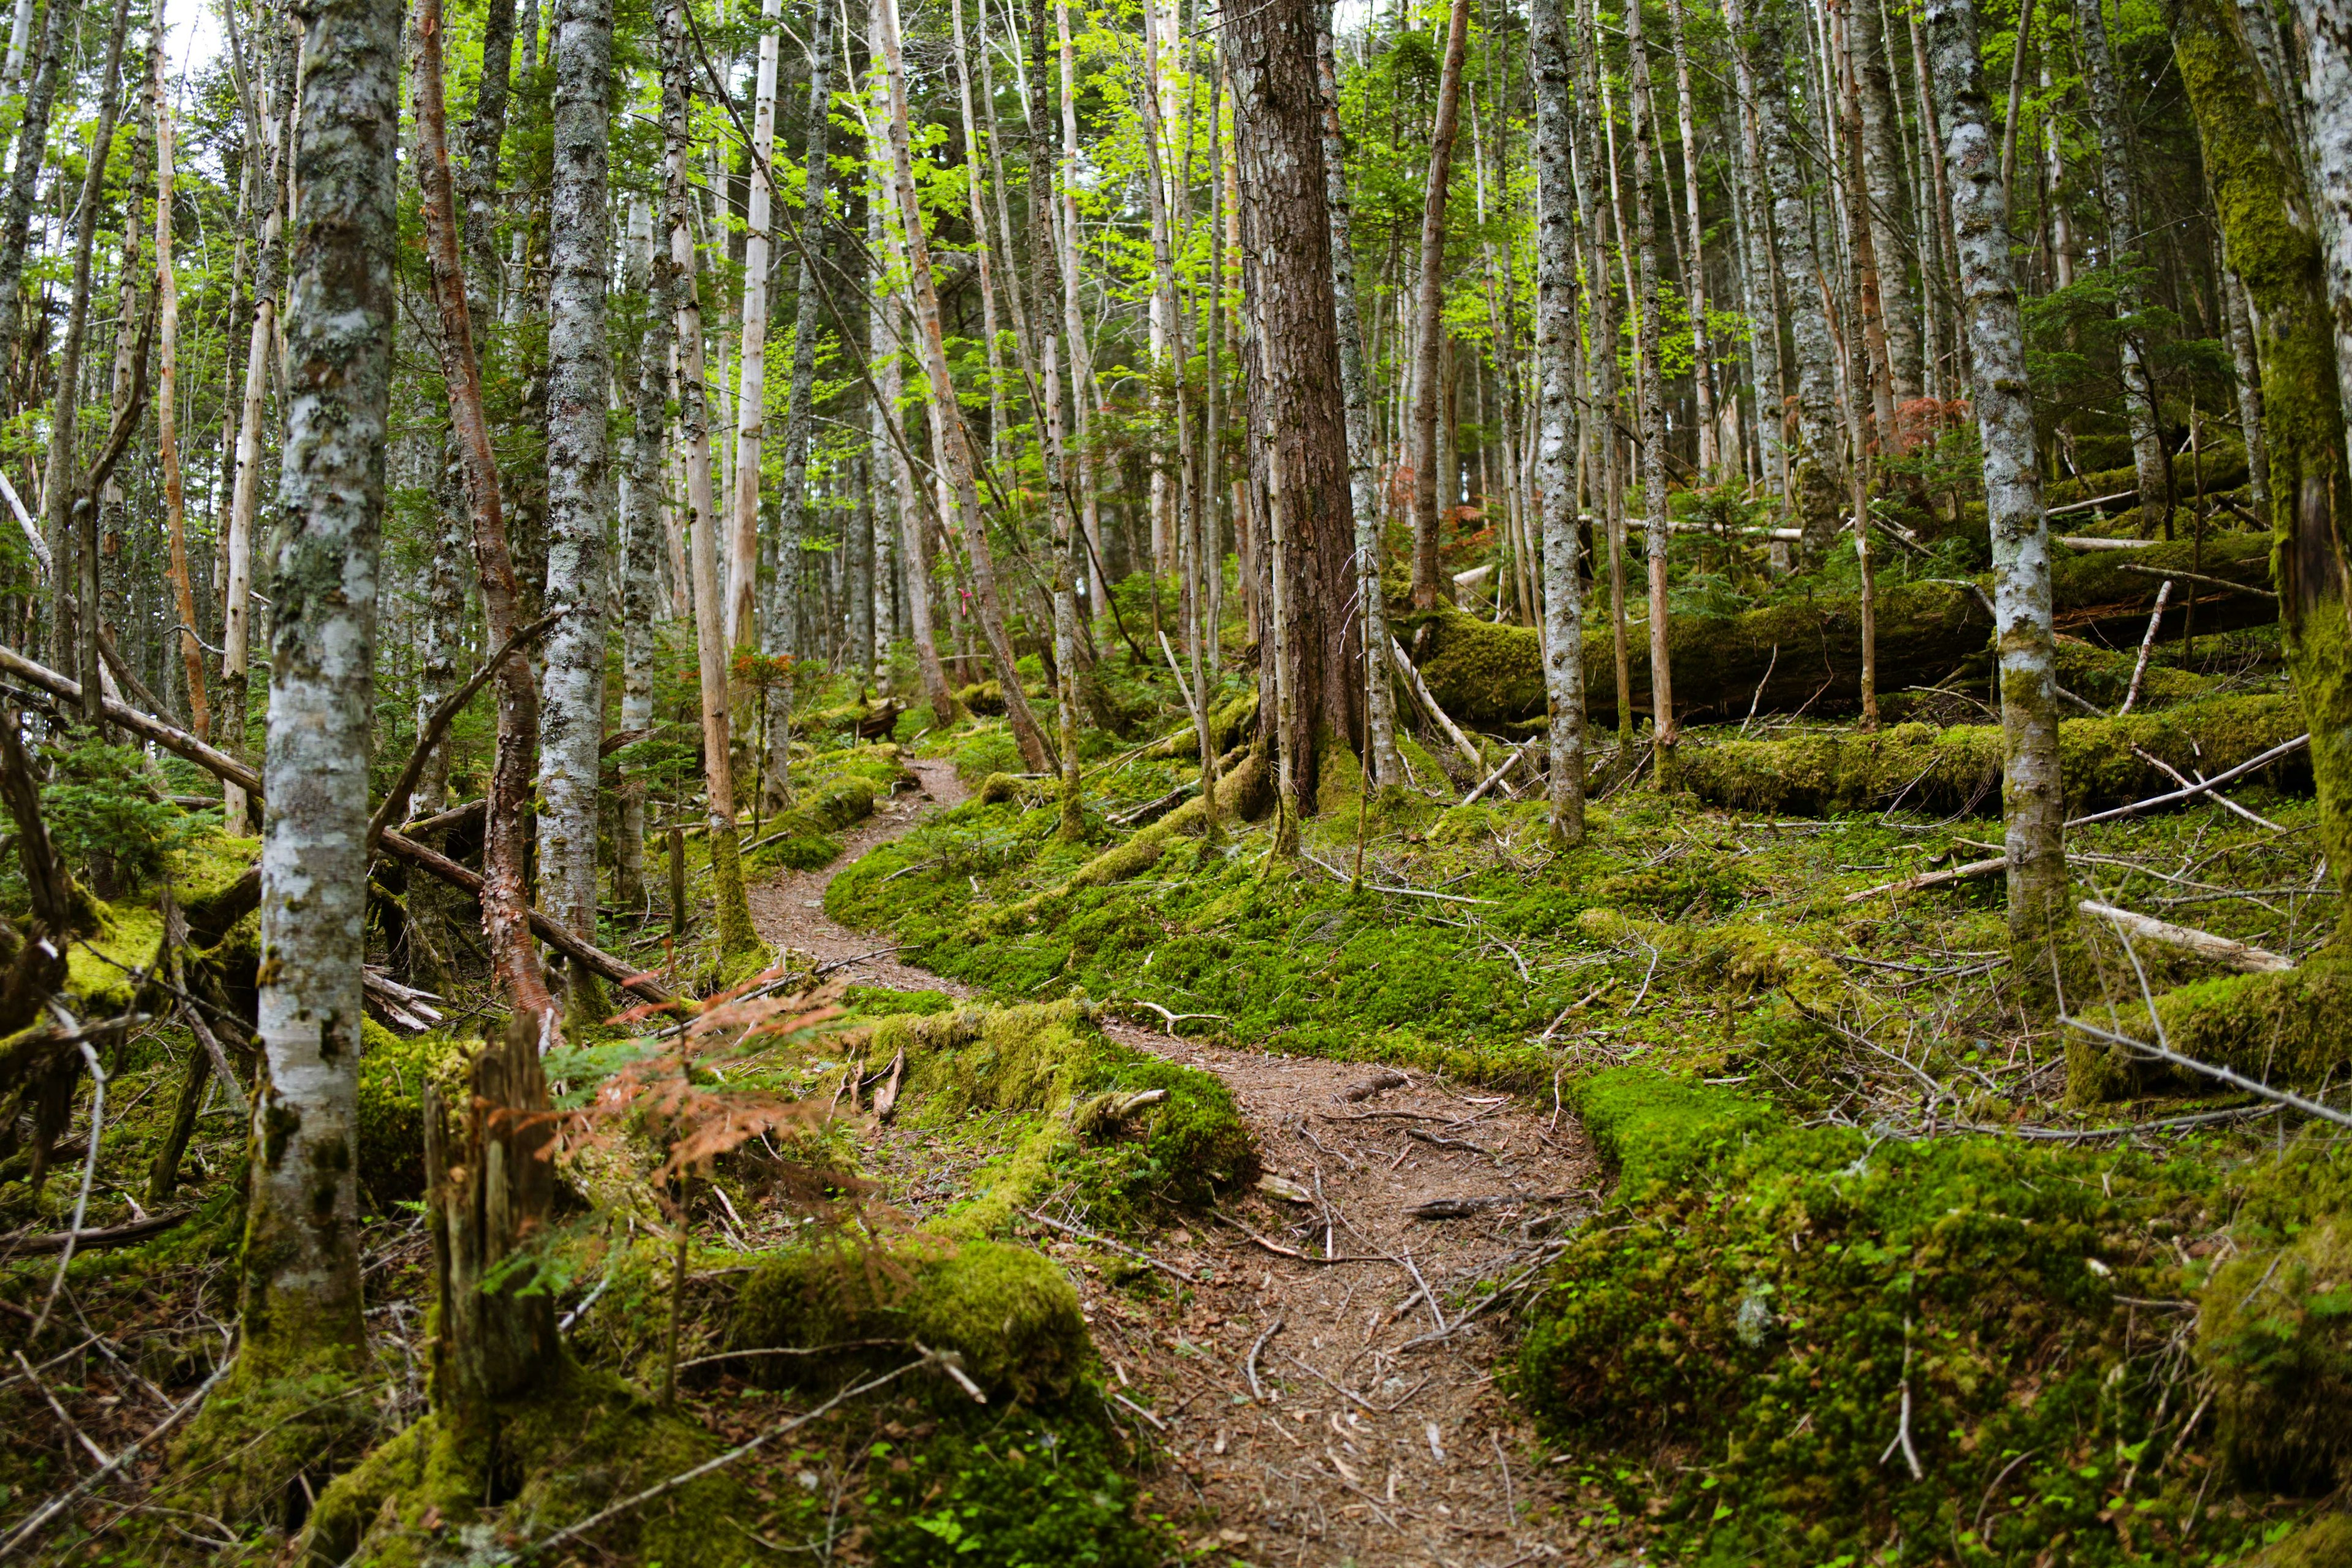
(24, 178)
(1298, 418)
(1883, 186)
(2120, 207)
(2276, 240)
(751, 365)
(1695, 273)
(2247, 369)
(1652, 402)
(579, 481)
(736, 934)
(1429, 301)
(1813, 462)
(783, 633)
(167, 415)
(953, 441)
(2033, 802)
(1387, 764)
(73, 540)
(505, 903)
(1563, 606)
(301, 1250)
(886, 350)
(641, 536)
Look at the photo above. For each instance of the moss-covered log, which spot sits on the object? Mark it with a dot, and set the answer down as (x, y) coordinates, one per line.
(1809, 651)
(1958, 769)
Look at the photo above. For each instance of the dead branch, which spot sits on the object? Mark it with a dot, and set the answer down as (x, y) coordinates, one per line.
(2238, 955)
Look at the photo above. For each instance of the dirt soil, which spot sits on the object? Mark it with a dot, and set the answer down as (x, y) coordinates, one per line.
(1314, 1404)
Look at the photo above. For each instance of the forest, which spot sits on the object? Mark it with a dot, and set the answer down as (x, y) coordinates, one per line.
(1111, 783)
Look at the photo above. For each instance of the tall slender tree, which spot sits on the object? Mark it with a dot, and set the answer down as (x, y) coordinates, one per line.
(1563, 606)
(1431, 491)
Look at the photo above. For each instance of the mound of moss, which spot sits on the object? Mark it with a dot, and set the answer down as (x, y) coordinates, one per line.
(442, 1492)
(394, 1073)
(1958, 769)
(1051, 1059)
(1009, 1312)
(1775, 1310)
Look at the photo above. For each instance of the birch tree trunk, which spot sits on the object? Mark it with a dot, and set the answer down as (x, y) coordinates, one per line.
(1695, 275)
(478, 182)
(579, 482)
(1563, 605)
(952, 438)
(1387, 767)
(736, 935)
(1768, 364)
(2247, 369)
(301, 1299)
(1430, 300)
(2325, 31)
(1599, 422)
(889, 446)
(1812, 461)
(751, 368)
(1650, 396)
(1883, 183)
(1083, 391)
(167, 418)
(2034, 805)
(641, 539)
(2115, 198)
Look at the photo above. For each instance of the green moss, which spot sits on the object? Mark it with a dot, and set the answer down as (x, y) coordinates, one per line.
(268, 1437)
(1021, 1493)
(1927, 770)
(1767, 1295)
(2324, 1542)
(536, 1465)
(882, 1002)
(2275, 1334)
(98, 968)
(1009, 1312)
(394, 1073)
(2285, 1027)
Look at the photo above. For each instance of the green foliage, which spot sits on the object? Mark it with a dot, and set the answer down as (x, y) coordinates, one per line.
(104, 819)
(1774, 1297)
(1017, 1493)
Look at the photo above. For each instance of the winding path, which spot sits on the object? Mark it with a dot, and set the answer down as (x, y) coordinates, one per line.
(1375, 1433)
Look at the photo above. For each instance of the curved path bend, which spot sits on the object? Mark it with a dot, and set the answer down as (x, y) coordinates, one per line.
(1375, 1434)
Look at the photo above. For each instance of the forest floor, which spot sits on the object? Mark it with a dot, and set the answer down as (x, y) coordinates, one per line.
(1312, 1410)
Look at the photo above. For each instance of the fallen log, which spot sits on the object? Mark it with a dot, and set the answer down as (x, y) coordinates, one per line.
(127, 1235)
(220, 765)
(2242, 956)
(1488, 676)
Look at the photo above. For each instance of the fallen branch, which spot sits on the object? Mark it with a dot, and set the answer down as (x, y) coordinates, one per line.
(1491, 780)
(433, 862)
(436, 725)
(2204, 786)
(1932, 879)
(1463, 1209)
(1249, 1363)
(1291, 1252)
(100, 1240)
(38, 1520)
(2146, 646)
(1421, 694)
(1091, 1238)
(2200, 578)
(2238, 955)
(2185, 782)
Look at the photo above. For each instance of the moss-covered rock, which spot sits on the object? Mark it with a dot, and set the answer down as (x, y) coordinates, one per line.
(1958, 769)
(441, 1492)
(2324, 1542)
(1009, 1312)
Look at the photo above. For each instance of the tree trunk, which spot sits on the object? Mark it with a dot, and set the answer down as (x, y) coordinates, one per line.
(24, 179)
(1430, 303)
(1563, 606)
(1387, 764)
(1299, 416)
(505, 903)
(783, 635)
(1768, 363)
(73, 528)
(2115, 197)
(2281, 243)
(948, 433)
(167, 415)
(478, 182)
(889, 447)
(1695, 273)
(751, 367)
(579, 482)
(302, 1295)
(2324, 27)
(1600, 415)
(736, 934)
(1883, 183)
(1813, 463)
(1652, 402)
(2033, 804)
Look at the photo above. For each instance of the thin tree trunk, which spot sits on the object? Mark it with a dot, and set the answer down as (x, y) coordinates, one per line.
(167, 416)
(751, 368)
(75, 538)
(579, 482)
(505, 911)
(1084, 394)
(1695, 273)
(1650, 399)
(2149, 462)
(2033, 802)
(477, 182)
(1426, 588)
(1593, 178)
(947, 419)
(2248, 371)
(1881, 189)
(24, 179)
(1563, 606)
(302, 1294)
(1363, 474)
(736, 934)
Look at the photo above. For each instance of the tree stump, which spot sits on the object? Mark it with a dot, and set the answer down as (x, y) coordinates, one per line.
(489, 1195)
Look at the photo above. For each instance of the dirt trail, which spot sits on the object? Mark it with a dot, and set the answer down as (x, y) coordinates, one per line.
(1380, 1437)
